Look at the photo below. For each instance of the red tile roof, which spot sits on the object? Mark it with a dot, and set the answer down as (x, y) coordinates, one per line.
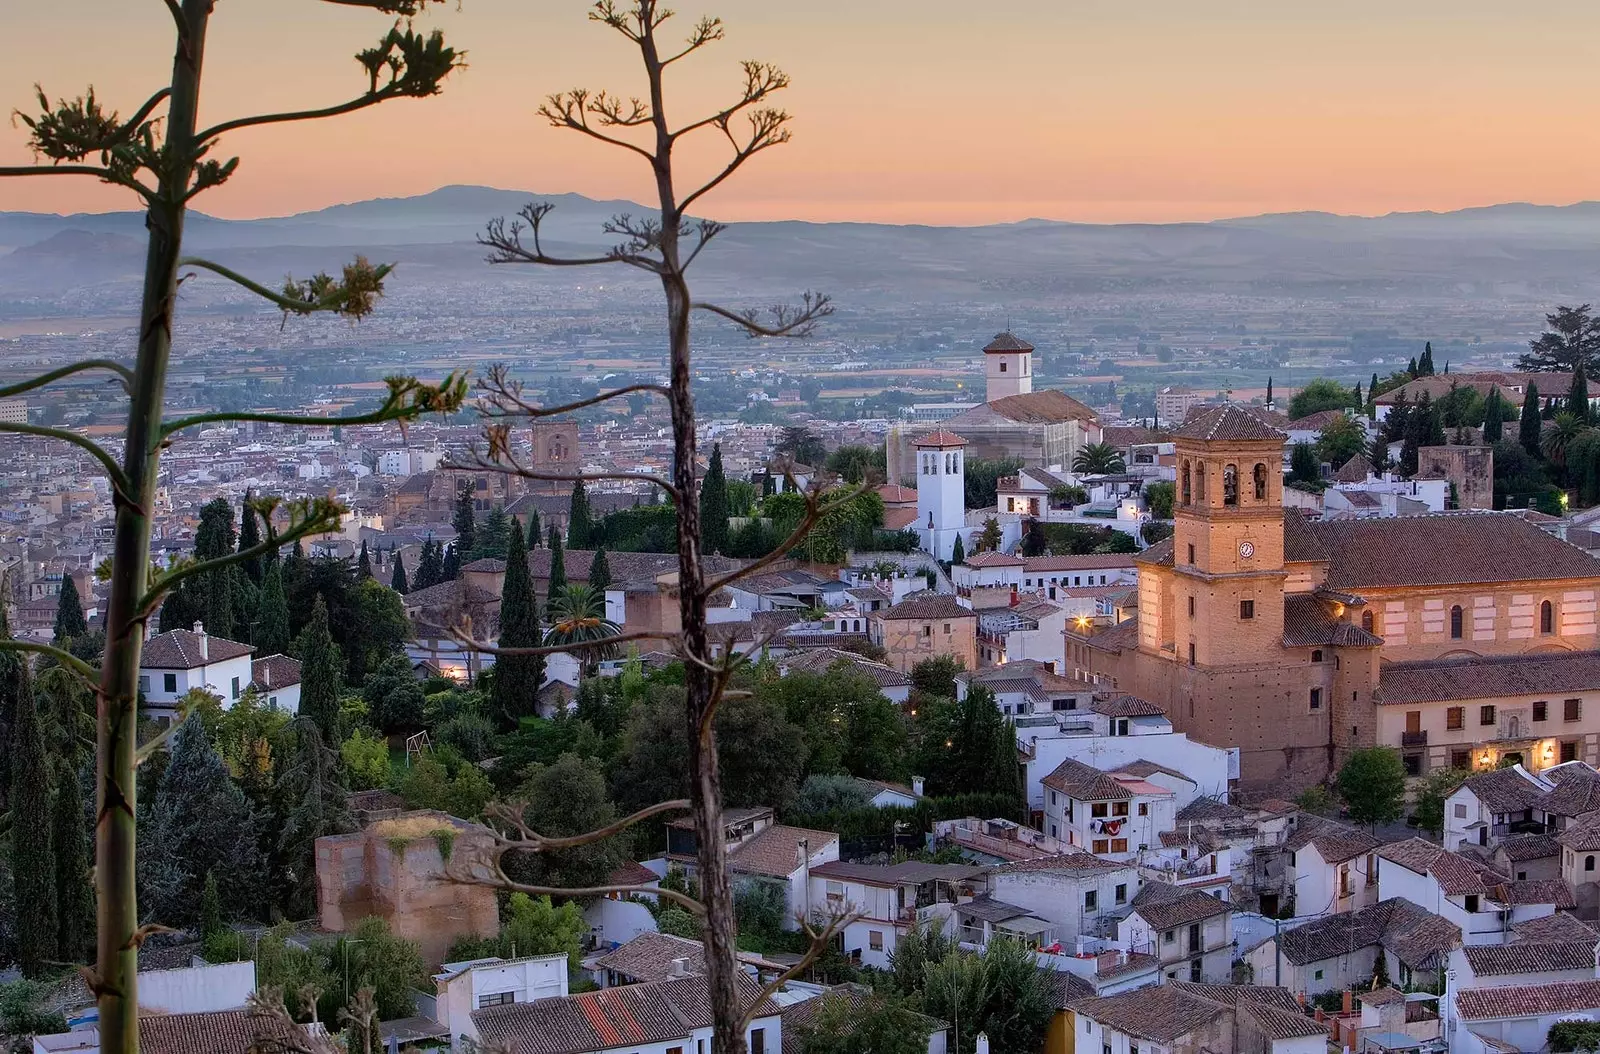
(1046, 407)
(1532, 1000)
(1007, 342)
(180, 649)
(1228, 424)
(940, 438)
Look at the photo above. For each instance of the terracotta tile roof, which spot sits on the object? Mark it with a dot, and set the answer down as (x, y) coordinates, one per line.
(1237, 994)
(217, 1032)
(940, 438)
(1582, 836)
(1161, 1014)
(993, 559)
(179, 649)
(1085, 783)
(1437, 680)
(1418, 937)
(1315, 422)
(1125, 436)
(1533, 1000)
(1126, 706)
(893, 493)
(627, 1016)
(1537, 891)
(1454, 548)
(1084, 562)
(821, 660)
(1523, 847)
(1503, 790)
(1167, 907)
(274, 672)
(989, 909)
(1279, 1023)
(1384, 996)
(1335, 842)
(1555, 928)
(774, 852)
(632, 873)
(1576, 791)
(1046, 407)
(1307, 623)
(939, 605)
(1229, 424)
(1124, 634)
(1077, 861)
(649, 956)
(1006, 341)
(1145, 769)
(1456, 875)
(1356, 470)
(1202, 810)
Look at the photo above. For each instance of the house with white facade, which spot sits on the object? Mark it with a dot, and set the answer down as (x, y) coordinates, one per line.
(276, 680)
(1491, 806)
(1516, 1017)
(887, 900)
(1079, 896)
(462, 988)
(1485, 905)
(1329, 868)
(178, 661)
(1113, 814)
(1177, 1016)
(986, 578)
(1189, 931)
(658, 1017)
(1341, 951)
(783, 856)
(1028, 628)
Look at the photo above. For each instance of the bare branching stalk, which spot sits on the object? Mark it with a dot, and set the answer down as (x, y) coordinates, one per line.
(665, 244)
(166, 162)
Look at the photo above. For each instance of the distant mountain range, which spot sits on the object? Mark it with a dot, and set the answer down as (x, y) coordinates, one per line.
(1512, 250)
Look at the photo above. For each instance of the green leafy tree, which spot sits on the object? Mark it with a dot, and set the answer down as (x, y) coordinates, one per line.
(1098, 459)
(1160, 496)
(531, 926)
(255, 567)
(580, 520)
(514, 689)
(967, 746)
(1303, 464)
(1341, 439)
(312, 804)
(1001, 993)
(989, 537)
(1317, 396)
(1529, 423)
(568, 797)
(465, 519)
(321, 673)
(1429, 809)
(802, 445)
(210, 908)
(714, 505)
(981, 479)
(1571, 337)
(394, 698)
(916, 951)
(271, 632)
(70, 623)
(936, 677)
(388, 964)
(491, 540)
(1372, 783)
(448, 782)
(397, 581)
(824, 793)
(33, 872)
(365, 756)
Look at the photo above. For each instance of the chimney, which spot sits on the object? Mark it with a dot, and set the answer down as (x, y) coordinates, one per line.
(1349, 1001)
(266, 674)
(916, 785)
(679, 967)
(205, 645)
(983, 1043)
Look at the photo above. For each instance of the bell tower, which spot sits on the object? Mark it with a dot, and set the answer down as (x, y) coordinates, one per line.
(1227, 554)
(1007, 367)
(941, 491)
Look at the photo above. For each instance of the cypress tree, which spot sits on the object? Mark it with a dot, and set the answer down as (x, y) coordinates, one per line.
(1378, 453)
(599, 572)
(1493, 417)
(1530, 424)
(518, 678)
(1411, 367)
(714, 506)
(1578, 394)
(363, 562)
(535, 532)
(271, 636)
(1359, 402)
(316, 805)
(465, 521)
(13, 681)
(558, 565)
(1372, 388)
(1269, 393)
(210, 906)
(70, 840)
(580, 522)
(321, 669)
(1425, 364)
(249, 538)
(430, 566)
(958, 552)
(452, 564)
(70, 623)
(768, 487)
(398, 581)
(1434, 420)
(33, 874)
(491, 537)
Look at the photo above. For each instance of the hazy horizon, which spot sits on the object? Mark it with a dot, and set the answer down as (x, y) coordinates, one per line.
(938, 112)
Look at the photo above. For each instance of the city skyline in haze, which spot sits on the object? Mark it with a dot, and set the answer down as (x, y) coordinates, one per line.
(941, 112)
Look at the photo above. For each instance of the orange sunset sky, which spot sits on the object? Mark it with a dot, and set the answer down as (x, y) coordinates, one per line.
(929, 111)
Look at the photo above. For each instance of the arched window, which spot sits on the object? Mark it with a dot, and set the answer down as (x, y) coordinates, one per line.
(1316, 655)
(1455, 622)
(1230, 485)
(1547, 617)
(1186, 483)
(1366, 621)
(1260, 474)
(1200, 482)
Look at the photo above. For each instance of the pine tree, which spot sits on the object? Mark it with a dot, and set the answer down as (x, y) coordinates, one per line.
(1578, 395)
(271, 633)
(580, 522)
(363, 562)
(321, 670)
(398, 581)
(535, 532)
(558, 565)
(1494, 414)
(517, 679)
(430, 567)
(452, 564)
(249, 538)
(714, 506)
(1530, 425)
(491, 537)
(33, 873)
(599, 572)
(70, 623)
(70, 841)
(958, 552)
(314, 804)
(465, 520)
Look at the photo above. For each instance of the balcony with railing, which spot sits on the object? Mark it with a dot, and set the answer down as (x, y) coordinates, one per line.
(1414, 739)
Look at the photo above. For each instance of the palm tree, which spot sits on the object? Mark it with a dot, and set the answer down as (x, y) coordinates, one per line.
(1099, 459)
(1558, 436)
(577, 615)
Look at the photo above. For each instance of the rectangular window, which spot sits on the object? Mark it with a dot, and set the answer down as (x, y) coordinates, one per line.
(236, 688)
(1098, 809)
(927, 631)
(1569, 751)
(1169, 936)
(1571, 709)
(1091, 900)
(1101, 845)
(758, 1041)
(1052, 797)
(1144, 808)
(947, 628)
(1119, 808)
(496, 999)
(1486, 714)
(1541, 711)
(1247, 609)
(1460, 812)
(1122, 892)
(1119, 845)
(1195, 971)
(835, 891)
(1191, 554)
(875, 940)
(144, 685)
(1455, 718)
(1191, 653)
(1319, 975)
(1472, 903)
(1316, 698)
(1460, 759)
(1191, 607)
(1194, 937)
(169, 682)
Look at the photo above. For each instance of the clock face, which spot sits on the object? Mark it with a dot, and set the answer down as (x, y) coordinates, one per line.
(1247, 549)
